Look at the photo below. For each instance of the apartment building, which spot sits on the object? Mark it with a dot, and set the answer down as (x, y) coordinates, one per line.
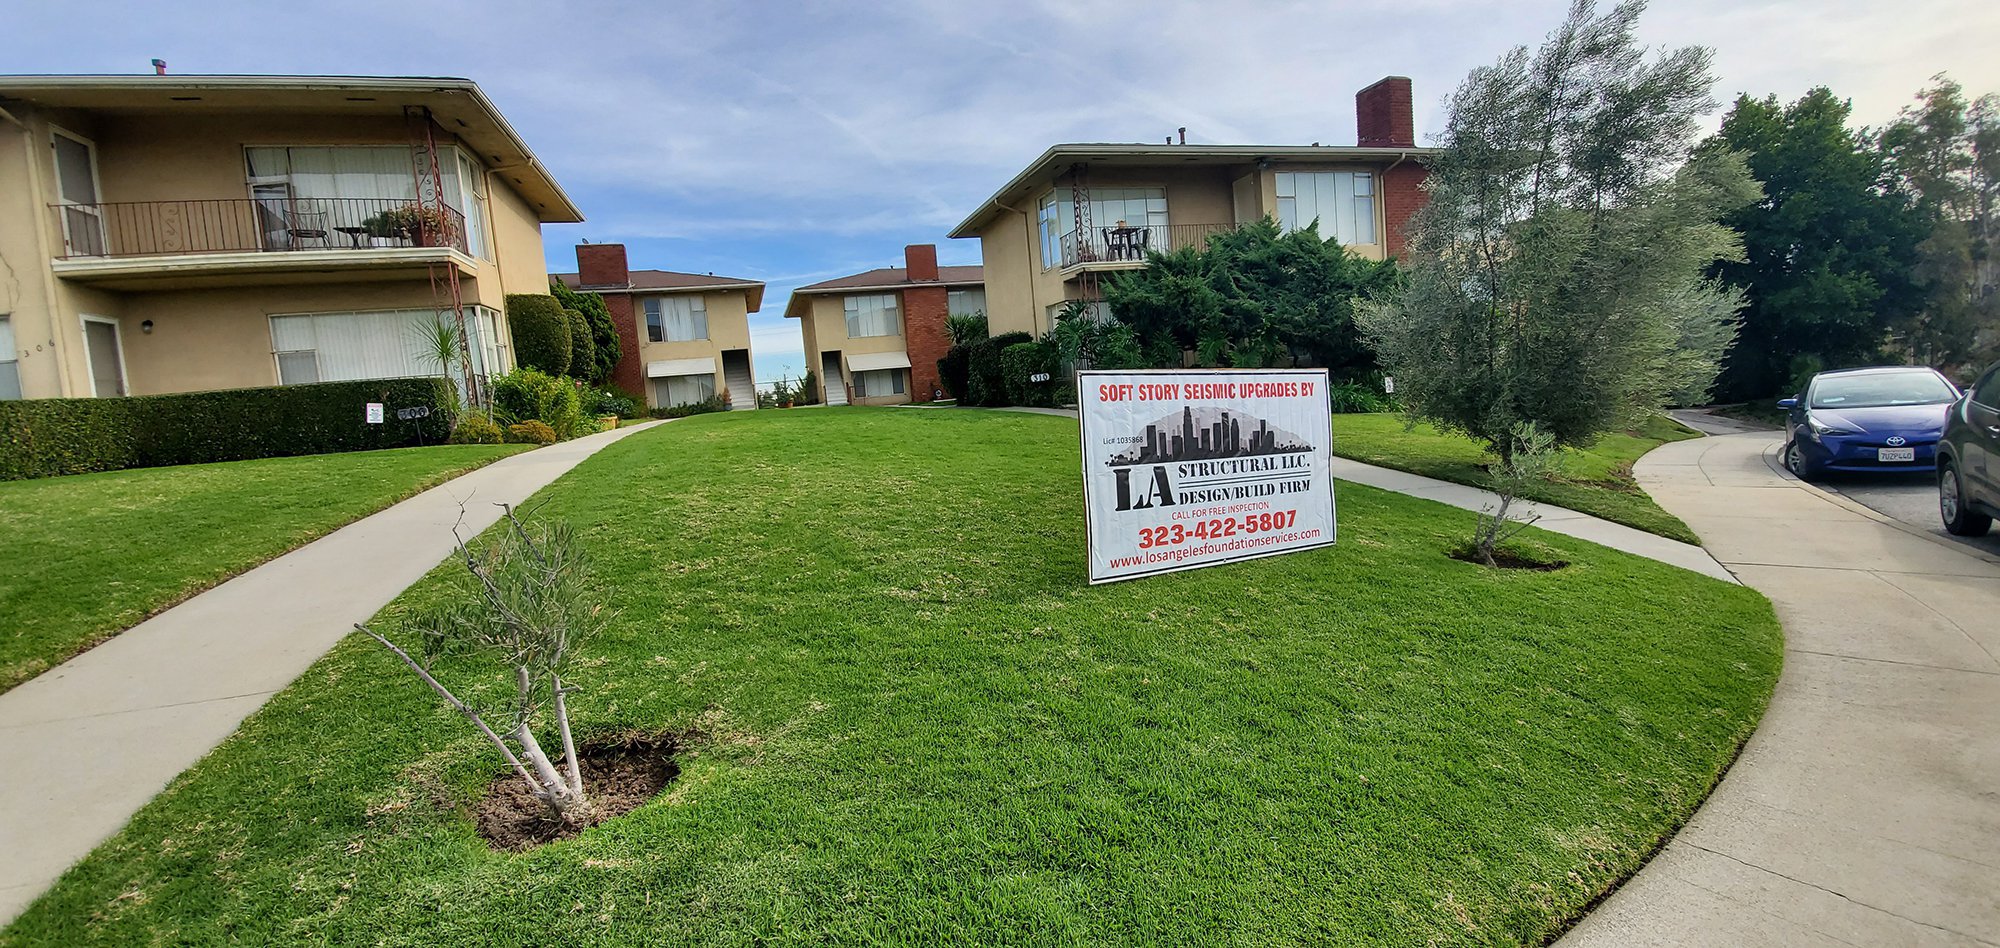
(875, 338)
(1081, 210)
(182, 233)
(683, 337)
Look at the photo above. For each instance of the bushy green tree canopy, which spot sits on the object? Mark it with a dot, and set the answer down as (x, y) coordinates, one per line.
(605, 347)
(1252, 297)
(1829, 257)
(1557, 274)
(541, 332)
(1944, 158)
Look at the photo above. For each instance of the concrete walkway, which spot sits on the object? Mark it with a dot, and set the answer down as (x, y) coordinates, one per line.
(1866, 809)
(89, 742)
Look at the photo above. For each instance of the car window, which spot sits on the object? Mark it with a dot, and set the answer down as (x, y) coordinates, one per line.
(1881, 389)
(1987, 390)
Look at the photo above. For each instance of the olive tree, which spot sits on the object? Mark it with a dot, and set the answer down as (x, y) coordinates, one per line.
(1556, 276)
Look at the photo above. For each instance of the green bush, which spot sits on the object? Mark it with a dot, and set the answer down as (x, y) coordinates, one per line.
(985, 384)
(1357, 398)
(608, 400)
(476, 430)
(604, 343)
(954, 370)
(1020, 362)
(530, 395)
(582, 351)
(530, 432)
(541, 332)
(48, 437)
(713, 403)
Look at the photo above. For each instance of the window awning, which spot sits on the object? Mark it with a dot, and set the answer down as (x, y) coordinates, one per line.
(871, 361)
(658, 370)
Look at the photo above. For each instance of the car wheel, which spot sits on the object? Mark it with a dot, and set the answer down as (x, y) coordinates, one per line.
(1796, 462)
(1959, 520)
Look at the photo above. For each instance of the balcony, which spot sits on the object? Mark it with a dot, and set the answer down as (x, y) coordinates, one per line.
(1115, 246)
(172, 244)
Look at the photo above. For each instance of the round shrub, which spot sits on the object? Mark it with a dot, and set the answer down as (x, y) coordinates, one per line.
(541, 332)
(530, 395)
(986, 385)
(1019, 363)
(530, 432)
(582, 350)
(476, 430)
(954, 370)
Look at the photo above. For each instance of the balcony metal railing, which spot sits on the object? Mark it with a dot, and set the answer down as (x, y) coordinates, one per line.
(1114, 244)
(275, 224)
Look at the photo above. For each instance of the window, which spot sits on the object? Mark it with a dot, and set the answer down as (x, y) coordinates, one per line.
(1882, 389)
(671, 390)
(471, 201)
(383, 344)
(872, 316)
(970, 302)
(878, 383)
(10, 365)
(1986, 391)
(1134, 207)
(676, 319)
(1343, 202)
(328, 187)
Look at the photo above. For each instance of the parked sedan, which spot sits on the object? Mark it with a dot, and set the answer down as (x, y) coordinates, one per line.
(1874, 419)
(1969, 459)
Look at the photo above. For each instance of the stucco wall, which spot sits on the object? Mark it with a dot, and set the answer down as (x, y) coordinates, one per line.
(728, 329)
(829, 316)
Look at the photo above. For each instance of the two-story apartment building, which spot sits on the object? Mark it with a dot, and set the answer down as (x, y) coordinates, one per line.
(181, 233)
(683, 337)
(1049, 235)
(875, 338)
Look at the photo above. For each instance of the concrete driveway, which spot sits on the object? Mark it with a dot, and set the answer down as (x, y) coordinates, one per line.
(1866, 809)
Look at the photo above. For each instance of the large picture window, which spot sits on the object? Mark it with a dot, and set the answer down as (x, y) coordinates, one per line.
(322, 189)
(1343, 202)
(878, 383)
(671, 390)
(676, 319)
(967, 302)
(1109, 207)
(381, 344)
(10, 366)
(873, 315)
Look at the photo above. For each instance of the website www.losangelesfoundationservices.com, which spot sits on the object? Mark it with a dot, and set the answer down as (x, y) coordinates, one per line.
(1232, 546)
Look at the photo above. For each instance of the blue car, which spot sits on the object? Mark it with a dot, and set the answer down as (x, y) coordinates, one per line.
(1876, 419)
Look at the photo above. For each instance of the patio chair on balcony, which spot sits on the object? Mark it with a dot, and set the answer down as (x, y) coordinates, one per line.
(308, 223)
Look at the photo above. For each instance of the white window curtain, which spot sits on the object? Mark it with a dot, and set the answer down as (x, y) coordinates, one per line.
(10, 366)
(873, 315)
(970, 302)
(676, 319)
(471, 201)
(382, 344)
(1342, 201)
(878, 383)
(672, 390)
(351, 183)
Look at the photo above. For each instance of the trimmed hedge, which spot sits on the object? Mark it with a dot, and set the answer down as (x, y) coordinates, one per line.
(1020, 361)
(541, 332)
(986, 384)
(49, 437)
(955, 370)
(582, 351)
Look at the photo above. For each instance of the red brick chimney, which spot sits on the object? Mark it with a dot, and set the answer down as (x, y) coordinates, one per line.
(1382, 116)
(602, 265)
(924, 309)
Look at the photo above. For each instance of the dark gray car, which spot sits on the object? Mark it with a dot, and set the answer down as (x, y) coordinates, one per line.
(1968, 462)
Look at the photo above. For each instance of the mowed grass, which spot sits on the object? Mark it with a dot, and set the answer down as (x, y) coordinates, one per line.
(917, 725)
(91, 555)
(1595, 480)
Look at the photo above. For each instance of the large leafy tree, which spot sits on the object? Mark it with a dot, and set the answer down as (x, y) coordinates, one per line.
(1944, 158)
(1253, 297)
(1829, 256)
(604, 346)
(1557, 276)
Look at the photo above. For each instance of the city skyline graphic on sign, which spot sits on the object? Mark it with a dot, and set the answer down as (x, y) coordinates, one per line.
(1206, 434)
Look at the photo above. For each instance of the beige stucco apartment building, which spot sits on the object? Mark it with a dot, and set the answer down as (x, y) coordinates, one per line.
(683, 337)
(1079, 211)
(874, 338)
(182, 233)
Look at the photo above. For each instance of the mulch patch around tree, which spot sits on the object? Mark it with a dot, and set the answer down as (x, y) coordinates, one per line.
(619, 776)
(1505, 558)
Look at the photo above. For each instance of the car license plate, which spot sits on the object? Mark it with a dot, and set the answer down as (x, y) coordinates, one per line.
(1895, 454)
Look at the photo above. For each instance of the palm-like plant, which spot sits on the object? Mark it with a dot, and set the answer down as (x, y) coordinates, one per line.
(440, 341)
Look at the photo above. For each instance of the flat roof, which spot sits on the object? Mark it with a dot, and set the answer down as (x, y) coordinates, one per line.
(650, 282)
(1114, 154)
(883, 278)
(456, 104)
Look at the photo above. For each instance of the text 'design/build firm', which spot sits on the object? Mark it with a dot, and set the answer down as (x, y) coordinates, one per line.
(1188, 468)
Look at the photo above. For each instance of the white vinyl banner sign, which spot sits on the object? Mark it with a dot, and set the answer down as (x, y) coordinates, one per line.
(1195, 467)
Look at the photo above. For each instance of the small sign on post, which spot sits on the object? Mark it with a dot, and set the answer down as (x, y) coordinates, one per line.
(1388, 385)
(1039, 377)
(374, 413)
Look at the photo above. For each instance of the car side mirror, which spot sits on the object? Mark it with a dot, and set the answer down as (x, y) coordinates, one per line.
(1788, 403)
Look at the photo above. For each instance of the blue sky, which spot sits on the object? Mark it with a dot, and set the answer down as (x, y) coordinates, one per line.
(792, 142)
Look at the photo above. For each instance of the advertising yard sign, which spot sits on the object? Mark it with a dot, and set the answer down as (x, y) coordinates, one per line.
(1195, 467)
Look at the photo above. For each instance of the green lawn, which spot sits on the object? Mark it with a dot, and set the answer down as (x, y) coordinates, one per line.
(91, 555)
(1597, 481)
(921, 727)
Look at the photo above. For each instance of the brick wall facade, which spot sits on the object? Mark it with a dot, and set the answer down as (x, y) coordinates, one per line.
(1383, 117)
(924, 309)
(603, 265)
(1402, 195)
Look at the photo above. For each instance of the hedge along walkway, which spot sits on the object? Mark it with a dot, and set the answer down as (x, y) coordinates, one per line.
(92, 740)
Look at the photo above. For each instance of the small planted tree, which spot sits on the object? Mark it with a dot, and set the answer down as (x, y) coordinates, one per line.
(526, 608)
(1530, 457)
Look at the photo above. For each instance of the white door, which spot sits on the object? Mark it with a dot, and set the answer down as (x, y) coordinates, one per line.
(107, 363)
(76, 191)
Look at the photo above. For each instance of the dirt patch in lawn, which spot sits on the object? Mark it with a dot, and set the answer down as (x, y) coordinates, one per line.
(619, 776)
(1505, 558)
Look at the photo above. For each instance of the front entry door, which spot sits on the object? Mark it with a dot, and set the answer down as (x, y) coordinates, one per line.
(107, 364)
(76, 190)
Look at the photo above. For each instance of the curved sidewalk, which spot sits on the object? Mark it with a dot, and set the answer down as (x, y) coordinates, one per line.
(90, 741)
(1866, 808)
